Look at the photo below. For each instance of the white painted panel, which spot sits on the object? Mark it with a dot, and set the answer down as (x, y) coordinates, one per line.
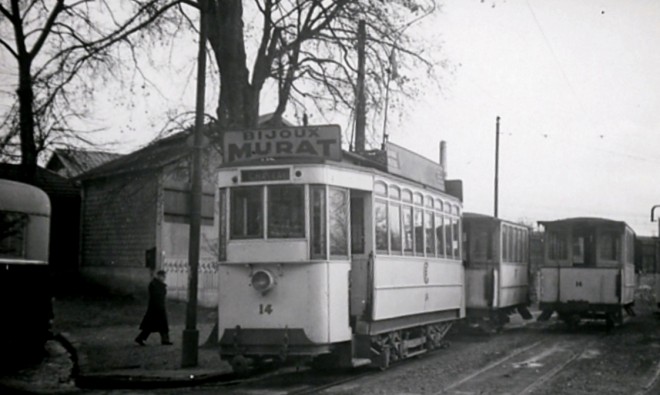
(252, 251)
(629, 283)
(513, 284)
(298, 300)
(413, 285)
(549, 286)
(338, 297)
(590, 285)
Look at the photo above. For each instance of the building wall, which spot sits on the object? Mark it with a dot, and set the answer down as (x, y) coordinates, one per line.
(174, 230)
(118, 226)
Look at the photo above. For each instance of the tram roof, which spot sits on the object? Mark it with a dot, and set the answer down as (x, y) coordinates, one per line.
(20, 197)
(585, 221)
(470, 216)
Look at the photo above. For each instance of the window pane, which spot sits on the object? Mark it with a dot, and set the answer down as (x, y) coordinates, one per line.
(429, 232)
(448, 237)
(380, 189)
(609, 246)
(317, 216)
(556, 246)
(338, 204)
(578, 250)
(417, 198)
(381, 226)
(419, 232)
(408, 237)
(439, 238)
(12, 234)
(246, 213)
(456, 238)
(395, 228)
(395, 193)
(286, 211)
(406, 196)
(505, 243)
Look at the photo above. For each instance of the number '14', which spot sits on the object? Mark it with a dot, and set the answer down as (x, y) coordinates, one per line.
(265, 309)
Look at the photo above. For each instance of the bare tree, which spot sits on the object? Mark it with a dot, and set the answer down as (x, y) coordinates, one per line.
(308, 47)
(62, 50)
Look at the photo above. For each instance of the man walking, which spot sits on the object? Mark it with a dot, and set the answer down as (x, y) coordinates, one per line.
(155, 319)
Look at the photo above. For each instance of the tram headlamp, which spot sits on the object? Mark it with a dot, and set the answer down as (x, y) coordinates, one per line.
(262, 280)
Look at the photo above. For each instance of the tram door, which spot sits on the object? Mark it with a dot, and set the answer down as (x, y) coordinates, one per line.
(361, 246)
(584, 247)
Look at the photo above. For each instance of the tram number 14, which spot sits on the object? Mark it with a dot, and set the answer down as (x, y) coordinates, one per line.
(265, 309)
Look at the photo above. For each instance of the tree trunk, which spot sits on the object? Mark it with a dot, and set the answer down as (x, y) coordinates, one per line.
(238, 106)
(26, 119)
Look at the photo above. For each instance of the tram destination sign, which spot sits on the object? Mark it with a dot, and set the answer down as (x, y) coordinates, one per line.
(320, 141)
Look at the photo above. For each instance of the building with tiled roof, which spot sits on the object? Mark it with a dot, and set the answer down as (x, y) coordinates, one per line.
(70, 163)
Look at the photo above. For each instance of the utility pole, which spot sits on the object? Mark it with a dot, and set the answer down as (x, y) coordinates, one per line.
(360, 111)
(497, 161)
(189, 357)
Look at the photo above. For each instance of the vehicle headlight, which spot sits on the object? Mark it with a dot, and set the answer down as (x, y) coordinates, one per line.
(263, 280)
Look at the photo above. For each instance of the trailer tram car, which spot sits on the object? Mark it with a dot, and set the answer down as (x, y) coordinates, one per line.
(334, 257)
(25, 300)
(588, 270)
(497, 270)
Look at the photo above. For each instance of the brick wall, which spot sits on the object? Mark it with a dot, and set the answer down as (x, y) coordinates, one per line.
(119, 220)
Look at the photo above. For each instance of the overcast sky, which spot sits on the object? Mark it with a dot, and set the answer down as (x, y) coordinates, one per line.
(576, 84)
(577, 87)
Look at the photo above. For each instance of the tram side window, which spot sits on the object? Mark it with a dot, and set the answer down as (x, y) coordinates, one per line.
(557, 246)
(610, 246)
(12, 234)
(317, 215)
(247, 213)
(419, 231)
(286, 211)
(338, 209)
(439, 237)
(448, 237)
(408, 234)
(395, 228)
(505, 243)
(381, 226)
(430, 238)
(456, 225)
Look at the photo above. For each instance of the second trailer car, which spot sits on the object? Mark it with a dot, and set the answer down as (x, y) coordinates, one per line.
(588, 270)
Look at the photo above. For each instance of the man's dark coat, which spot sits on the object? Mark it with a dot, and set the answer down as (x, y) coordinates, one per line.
(155, 320)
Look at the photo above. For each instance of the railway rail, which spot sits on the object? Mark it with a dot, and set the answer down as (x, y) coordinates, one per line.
(528, 367)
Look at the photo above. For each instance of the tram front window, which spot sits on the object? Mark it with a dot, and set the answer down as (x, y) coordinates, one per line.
(247, 213)
(286, 211)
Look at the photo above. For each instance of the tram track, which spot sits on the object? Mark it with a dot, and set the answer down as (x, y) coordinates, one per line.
(526, 369)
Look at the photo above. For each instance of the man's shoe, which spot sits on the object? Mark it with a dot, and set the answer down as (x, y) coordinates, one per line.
(167, 343)
(140, 341)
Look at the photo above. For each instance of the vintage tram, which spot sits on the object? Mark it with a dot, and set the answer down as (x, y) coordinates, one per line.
(25, 298)
(496, 270)
(588, 270)
(332, 256)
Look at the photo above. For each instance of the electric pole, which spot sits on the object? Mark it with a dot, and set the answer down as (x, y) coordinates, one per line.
(190, 343)
(497, 161)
